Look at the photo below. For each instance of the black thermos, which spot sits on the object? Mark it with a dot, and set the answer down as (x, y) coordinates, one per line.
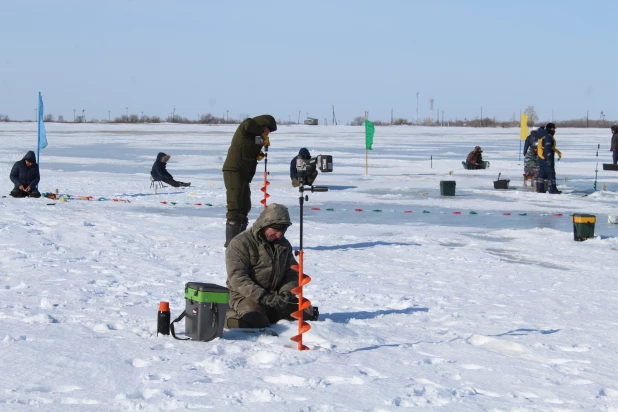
(163, 320)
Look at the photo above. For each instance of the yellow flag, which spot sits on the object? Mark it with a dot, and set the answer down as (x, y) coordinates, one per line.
(523, 125)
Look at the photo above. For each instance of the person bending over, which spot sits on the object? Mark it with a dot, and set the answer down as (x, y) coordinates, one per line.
(239, 168)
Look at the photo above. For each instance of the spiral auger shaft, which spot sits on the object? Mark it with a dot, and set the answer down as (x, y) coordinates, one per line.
(266, 182)
(303, 303)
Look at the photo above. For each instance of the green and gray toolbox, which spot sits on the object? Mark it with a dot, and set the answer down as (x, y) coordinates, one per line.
(205, 309)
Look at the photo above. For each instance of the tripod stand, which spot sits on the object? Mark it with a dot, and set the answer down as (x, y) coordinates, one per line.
(303, 279)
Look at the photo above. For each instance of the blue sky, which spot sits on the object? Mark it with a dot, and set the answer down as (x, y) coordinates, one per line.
(282, 57)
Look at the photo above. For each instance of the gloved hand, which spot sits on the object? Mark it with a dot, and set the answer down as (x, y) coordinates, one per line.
(266, 139)
(260, 156)
(288, 297)
(559, 154)
(274, 301)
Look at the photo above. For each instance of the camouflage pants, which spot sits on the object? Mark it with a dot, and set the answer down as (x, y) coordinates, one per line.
(250, 314)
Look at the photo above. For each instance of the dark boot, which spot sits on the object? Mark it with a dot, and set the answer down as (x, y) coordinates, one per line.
(232, 228)
(18, 193)
(540, 186)
(553, 189)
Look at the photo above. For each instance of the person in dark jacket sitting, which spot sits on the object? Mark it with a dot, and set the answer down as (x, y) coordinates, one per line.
(475, 158)
(294, 173)
(159, 171)
(25, 176)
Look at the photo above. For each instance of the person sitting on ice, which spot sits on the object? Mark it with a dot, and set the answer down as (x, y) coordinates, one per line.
(25, 176)
(259, 274)
(294, 173)
(475, 158)
(159, 171)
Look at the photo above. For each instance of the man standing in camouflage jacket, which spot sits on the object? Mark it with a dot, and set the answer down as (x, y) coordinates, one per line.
(239, 169)
(259, 274)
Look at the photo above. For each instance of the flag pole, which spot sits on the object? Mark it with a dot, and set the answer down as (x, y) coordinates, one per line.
(523, 131)
(366, 152)
(38, 133)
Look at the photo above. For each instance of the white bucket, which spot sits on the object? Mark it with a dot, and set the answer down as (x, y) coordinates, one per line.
(613, 219)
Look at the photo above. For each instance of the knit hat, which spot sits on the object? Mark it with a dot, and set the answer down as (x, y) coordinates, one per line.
(550, 126)
(282, 227)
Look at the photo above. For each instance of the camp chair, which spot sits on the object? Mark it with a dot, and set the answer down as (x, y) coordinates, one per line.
(155, 183)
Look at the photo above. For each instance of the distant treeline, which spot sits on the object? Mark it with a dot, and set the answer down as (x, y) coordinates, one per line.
(487, 122)
(358, 121)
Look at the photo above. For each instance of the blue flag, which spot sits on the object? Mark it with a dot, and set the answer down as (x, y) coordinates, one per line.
(42, 135)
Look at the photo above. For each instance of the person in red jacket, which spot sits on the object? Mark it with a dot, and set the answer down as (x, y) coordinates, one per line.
(475, 158)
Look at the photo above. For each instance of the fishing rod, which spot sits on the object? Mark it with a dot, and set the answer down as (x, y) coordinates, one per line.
(596, 172)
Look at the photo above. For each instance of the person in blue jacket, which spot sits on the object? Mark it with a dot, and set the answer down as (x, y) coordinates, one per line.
(546, 150)
(159, 171)
(294, 173)
(25, 176)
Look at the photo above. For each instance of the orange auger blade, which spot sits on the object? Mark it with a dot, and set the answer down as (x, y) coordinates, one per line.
(264, 188)
(303, 303)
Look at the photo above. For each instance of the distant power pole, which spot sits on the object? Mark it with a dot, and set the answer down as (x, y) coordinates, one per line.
(109, 116)
(227, 115)
(83, 115)
(334, 122)
(431, 110)
(173, 114)
(391, 117)
(417, 107)
(73, 115)
(127, 112)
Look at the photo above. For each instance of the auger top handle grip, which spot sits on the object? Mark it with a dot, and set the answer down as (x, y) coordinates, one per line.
(319, 189)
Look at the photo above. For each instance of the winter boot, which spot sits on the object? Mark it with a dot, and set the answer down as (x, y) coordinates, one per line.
(311, 313)
(232, 228)
(540, 186)
(553, 189)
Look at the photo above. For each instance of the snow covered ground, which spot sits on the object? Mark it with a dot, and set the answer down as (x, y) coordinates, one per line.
(499, 310)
